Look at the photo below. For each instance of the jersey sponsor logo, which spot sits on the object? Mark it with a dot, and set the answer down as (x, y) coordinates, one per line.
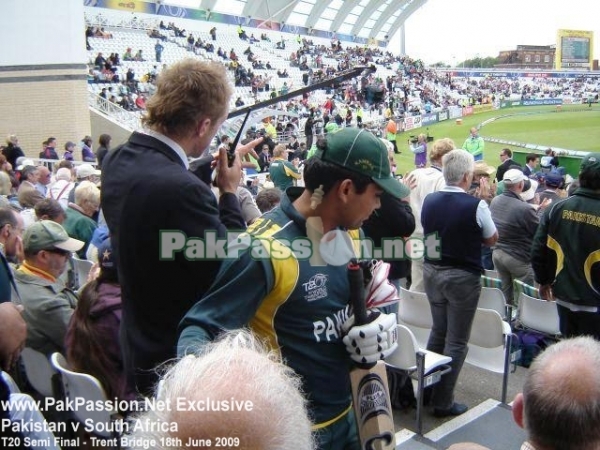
(315, 288)
(330, 329)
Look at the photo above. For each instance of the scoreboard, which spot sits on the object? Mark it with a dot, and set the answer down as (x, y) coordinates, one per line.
(574, 50)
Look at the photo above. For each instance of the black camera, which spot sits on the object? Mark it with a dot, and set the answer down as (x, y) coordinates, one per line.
(413, 140)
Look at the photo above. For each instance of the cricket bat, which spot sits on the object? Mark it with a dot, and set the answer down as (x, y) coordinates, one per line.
(370, 392)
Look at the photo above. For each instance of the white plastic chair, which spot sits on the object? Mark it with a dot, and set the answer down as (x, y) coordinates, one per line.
(415, 313)
(423, 365)
(539, 315)
(493, 298)
(81, 385)
(39, 371)
(491, 273)
(490, 345)
(10, 383)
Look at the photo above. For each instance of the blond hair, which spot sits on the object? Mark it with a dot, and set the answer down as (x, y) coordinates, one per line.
(439, 148)
(5, 184)
(87, 192)
(279, 150)
(186, 93)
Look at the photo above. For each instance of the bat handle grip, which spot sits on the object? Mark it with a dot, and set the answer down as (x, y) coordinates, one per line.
(357, 293)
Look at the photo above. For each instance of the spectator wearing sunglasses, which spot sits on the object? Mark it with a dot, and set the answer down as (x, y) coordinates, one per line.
(48, 303)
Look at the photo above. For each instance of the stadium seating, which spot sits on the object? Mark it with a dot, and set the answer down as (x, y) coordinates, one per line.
(133, 33)
(86, 388)
(414, 312)
(425, 366)
(490, 345)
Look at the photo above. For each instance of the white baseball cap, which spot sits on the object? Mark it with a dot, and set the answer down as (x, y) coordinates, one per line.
(86, 170)
(513, 176)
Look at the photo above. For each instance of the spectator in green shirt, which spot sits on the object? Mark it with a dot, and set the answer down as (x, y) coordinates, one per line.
(474, 144)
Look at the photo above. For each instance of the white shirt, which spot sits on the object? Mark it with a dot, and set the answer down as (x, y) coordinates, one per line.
(172, 144)
(428, 180)
(60, 191)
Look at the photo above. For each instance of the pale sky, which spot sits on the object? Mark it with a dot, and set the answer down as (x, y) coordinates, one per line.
(455, 30)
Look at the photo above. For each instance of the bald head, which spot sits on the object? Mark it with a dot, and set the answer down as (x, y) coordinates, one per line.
(242, 390)
(44, 175)
(561, 396)
(570, 374)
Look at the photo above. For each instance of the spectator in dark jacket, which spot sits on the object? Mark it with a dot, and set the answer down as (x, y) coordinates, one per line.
(146, 189)
(104, 141)
(12, 151)
(49, 151)
(394, 220)
(507, 162)
(92, 340)
(87, 154)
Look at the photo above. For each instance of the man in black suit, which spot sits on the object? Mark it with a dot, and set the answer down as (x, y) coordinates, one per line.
(264, 158)
(147, 189)
(507, 161)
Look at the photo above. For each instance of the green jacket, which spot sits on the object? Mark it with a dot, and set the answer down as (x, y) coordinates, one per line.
(474, 145)
(283, 173)
(48, 310)
(79, 226)
(566, 248)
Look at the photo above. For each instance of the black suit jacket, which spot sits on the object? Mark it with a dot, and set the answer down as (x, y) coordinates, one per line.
(146, 189)
(6, 280)
(502, 168)
(263, 162)
(394, 219)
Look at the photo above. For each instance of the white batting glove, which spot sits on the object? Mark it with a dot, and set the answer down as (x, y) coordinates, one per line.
(373, 341)
(380, 292)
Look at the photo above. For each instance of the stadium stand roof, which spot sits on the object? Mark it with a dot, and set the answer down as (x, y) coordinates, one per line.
(369, 19)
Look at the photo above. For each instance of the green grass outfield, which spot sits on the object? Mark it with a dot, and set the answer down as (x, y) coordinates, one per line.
(575, 127)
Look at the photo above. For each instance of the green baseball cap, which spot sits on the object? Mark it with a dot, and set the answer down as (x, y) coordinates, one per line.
(48, 235)
(359, 151)
(591, 162)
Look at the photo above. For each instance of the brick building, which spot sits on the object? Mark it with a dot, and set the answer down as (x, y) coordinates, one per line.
(528, 57)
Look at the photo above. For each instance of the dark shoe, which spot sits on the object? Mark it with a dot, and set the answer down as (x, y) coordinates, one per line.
(455, 410)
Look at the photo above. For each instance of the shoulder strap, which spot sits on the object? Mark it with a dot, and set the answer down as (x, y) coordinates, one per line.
(61, 192)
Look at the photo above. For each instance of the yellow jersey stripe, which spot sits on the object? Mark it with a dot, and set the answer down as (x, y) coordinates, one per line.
(321, 425)
(286, 271)
(560, 255)
(592, 259)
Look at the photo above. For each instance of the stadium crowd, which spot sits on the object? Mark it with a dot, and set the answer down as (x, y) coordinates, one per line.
(316, 170)
(404, 86)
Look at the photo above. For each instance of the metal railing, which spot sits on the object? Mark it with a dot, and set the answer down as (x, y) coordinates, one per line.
(49, 163)
(132, 23)
(127, 119)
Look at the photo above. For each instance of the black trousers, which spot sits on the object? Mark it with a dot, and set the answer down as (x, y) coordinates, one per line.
(579, 323)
